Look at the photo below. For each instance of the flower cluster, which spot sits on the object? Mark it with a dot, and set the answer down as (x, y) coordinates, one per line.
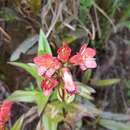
(56, 70)
(5, 113)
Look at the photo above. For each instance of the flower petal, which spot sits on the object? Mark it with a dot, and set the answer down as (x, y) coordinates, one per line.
(83, 49)
(90, 52)
(50, 72)
(55, 66)
(64, 53)
(41, 70)
(86, 51)
(48, 84)
(68, 81)
(83, 67)
(90, 63)
(5, 111)
(75, 59)
(47, 92)
(47, 64)
(56, 63)
(44, 60)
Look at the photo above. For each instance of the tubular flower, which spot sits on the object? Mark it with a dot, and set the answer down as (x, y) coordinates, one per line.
(64, 53)
(48, 84)
(84, 58)
(68, 81)
(46, 64)
(5, 113)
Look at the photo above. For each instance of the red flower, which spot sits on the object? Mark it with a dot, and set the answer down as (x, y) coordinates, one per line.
(64, 53)
(48, 84)
(47, 64)
(76, 59)
(5, 113)
(84, 58)
(68, 81)
(43, 60)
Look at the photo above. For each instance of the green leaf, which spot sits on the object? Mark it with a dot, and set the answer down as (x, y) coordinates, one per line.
(41, 101)
(30, 97)
(113, 125)
(24, 47)
(83, 109)
(69, 98)
(105, 82)
(86, 76)
(43, 45)
(23, 96)
(114, 116)
(50, 123)
(18, 124)
(53, 115)
(29, 68)
(84, 90)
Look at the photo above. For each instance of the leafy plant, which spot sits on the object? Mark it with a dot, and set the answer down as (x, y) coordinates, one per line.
(45, 103)
(55, 108)
(58, 102)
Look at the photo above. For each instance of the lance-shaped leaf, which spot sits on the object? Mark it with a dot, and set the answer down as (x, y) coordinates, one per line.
(34, 96)
(43, 45)
(114, 125)
(48, 123)
(18, 124)
(30, 68)
(86, 76)
(84, 90)
(23, 96)
(52, 117)
(115, 116)
(104, 82)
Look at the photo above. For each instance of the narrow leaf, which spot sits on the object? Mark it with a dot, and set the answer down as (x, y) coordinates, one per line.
(113, 125)
(86, 76)
(23, 96)
(41, 102)
(43, 45)
(84, 90)
(34, 96)
(29, 68)
(114, 116)
(18, 124)
(105, 82)
(49, 123)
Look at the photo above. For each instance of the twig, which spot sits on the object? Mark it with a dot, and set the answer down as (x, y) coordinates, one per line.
(80, 22)
(69, 26)
(97, 23)
(5, 33)
(93, 27)
(55, 20)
